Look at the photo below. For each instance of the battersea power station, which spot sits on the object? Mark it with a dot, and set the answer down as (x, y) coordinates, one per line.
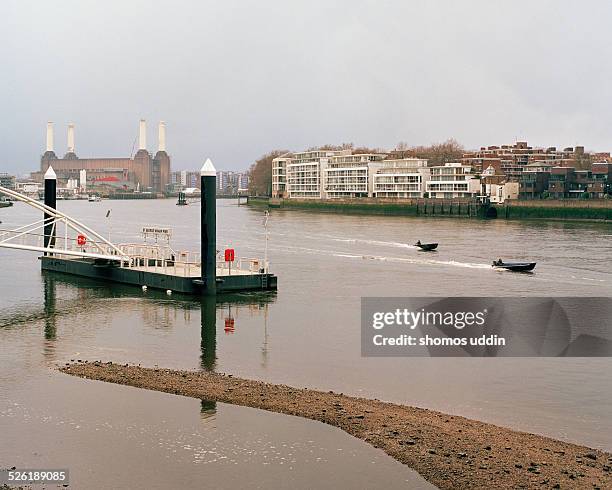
(141, 172)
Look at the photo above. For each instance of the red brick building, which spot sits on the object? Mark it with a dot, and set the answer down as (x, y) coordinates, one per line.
(512, 159)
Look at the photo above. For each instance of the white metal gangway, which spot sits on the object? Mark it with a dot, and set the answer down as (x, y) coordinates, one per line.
(72, 238)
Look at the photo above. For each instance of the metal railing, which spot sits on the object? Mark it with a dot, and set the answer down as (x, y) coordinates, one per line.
(243, 264)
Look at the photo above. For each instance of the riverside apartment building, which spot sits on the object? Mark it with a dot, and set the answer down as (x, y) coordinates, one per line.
(453, 180)
(348, 176)
(305, 173)
(400, 178)
(340, 174)
(500, 172)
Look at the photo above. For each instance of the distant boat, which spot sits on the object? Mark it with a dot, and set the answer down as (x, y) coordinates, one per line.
(94, 199)
(514, 266)
(426, 247)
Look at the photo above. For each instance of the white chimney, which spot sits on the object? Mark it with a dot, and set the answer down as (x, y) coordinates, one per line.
(162, 136)
(71, 138)
(49, 136)
(142, 135)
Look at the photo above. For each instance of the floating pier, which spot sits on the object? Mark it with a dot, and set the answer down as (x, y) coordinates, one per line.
(140, 264)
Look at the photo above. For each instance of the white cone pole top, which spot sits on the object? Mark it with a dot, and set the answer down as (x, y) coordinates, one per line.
(50, 174)
(208, 169)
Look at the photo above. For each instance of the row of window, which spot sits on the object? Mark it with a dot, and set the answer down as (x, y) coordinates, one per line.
(448, 187)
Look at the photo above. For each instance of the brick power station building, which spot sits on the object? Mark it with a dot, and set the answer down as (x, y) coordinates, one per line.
(143, 171)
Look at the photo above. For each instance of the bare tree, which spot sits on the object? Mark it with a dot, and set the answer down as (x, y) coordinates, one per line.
(365, 149)
(347, 146)
(328, 147)
(436, 154)
(260, 174)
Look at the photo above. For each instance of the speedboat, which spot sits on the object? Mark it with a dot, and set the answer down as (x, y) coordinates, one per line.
(514, 266)
(426, 247)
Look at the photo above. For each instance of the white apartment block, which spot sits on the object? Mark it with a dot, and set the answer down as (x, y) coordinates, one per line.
(348, 176)
(402, 178)
(279, 175)
(452, 180)
(324, 174)
(305, 174)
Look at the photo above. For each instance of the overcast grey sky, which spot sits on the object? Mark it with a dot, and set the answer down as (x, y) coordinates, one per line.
(235, 79)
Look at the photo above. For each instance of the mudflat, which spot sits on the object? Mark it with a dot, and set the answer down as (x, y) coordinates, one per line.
(449, 451)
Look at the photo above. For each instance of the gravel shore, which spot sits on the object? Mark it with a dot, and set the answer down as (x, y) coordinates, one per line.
(449, 451)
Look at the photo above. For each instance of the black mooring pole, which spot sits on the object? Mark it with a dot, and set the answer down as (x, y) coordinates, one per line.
(50, 200)
(208, 227)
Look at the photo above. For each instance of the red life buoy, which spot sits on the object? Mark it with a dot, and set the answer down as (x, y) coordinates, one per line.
(81, 240)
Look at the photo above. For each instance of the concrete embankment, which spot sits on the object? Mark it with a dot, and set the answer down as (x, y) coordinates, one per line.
(391, 207)
(591, 209)
(449, 451)
(570, 209)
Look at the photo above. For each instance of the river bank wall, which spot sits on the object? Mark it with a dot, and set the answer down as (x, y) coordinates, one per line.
(600, 209)
(590, 209)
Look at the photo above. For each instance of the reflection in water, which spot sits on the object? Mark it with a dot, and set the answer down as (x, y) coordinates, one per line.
(49, 294)
(15, 315)
(229, 324)
(157, 310)
(208, 409)
(50, 321)
(225, 303)
(208, 336)
(264, 347)
(161, 317)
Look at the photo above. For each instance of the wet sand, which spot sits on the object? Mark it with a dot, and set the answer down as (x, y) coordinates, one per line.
(448, 451)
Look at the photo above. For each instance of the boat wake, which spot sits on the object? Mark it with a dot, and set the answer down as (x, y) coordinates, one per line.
(418, 260)
(410, 260)
(371, 242)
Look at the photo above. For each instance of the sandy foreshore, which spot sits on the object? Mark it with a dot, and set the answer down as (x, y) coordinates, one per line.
(449, 451)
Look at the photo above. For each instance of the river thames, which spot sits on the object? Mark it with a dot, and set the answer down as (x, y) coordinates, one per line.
(305, 335)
